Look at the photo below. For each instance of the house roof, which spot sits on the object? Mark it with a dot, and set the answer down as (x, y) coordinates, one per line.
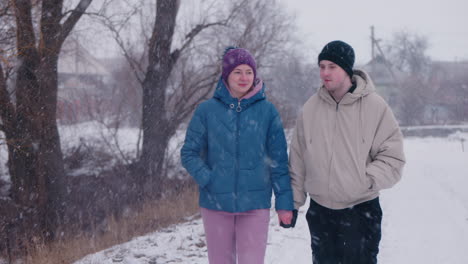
(382, 72)
(450, 69)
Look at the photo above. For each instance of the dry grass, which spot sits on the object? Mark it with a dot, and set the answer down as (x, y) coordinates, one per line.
(152, 216)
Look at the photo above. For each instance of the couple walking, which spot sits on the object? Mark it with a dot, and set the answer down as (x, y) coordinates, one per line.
(346, 147)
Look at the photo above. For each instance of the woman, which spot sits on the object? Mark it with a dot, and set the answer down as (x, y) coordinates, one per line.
(235, 149)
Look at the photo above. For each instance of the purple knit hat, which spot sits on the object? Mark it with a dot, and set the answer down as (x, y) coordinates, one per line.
(234, 57)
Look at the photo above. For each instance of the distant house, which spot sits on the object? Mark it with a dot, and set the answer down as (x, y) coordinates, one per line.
(446, 92)
(449, 83)
(82, 80)
(384, 77)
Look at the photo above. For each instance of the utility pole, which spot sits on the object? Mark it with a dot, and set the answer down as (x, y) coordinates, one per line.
(372, 43)
(375, 43)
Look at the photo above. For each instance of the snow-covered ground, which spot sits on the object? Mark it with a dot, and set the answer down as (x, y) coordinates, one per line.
(425, 215)
(425, 219)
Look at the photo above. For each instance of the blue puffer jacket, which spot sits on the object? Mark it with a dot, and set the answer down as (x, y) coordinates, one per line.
(236, 151)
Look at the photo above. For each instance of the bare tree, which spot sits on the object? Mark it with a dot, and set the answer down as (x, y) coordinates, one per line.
(153, 72)
(258, 26)
(412, 100)
(407, 53)
(450, 88)
(180, 62)
(28, 114)
(293, 81)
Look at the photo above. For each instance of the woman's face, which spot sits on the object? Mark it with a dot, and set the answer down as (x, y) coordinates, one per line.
(240, 80)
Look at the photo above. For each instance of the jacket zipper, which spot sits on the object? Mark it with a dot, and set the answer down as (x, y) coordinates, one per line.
(238, 110)
(330, 165)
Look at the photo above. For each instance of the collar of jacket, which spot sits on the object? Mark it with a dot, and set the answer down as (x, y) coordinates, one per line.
(222, 94)
(364, 86)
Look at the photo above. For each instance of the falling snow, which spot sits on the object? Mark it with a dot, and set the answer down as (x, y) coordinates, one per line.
(425, 219)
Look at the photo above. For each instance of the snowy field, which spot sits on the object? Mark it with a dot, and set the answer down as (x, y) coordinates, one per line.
(425, 219)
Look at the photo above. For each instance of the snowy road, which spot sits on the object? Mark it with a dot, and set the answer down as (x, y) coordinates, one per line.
(425, 220)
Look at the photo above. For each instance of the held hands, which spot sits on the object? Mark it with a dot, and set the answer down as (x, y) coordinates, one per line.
(287, 218)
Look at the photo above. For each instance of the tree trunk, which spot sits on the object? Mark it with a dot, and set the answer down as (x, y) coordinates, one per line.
(24, 129)
(35, 158)
(157, 128)
(35, 161)
(50, 158)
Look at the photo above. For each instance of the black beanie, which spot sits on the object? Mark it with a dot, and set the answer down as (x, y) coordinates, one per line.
(340, 53)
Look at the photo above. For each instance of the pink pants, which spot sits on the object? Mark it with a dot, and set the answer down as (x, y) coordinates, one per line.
(230, 235)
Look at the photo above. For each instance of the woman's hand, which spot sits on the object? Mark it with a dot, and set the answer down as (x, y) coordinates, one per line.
(285, 216)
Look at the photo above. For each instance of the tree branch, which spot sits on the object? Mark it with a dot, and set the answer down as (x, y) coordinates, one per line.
(4, 11)
(73, 19)
(7, 109)
(200, 27)
(25, 40)
(134, 64)
(191, 35)
(182, 110)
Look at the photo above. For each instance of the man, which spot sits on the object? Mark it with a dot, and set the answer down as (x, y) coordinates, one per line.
(347, 146)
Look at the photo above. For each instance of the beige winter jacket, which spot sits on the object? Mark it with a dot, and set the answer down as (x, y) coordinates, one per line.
(343, 154)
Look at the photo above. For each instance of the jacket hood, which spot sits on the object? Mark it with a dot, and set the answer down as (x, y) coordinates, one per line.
(364, 87)
(222, 94)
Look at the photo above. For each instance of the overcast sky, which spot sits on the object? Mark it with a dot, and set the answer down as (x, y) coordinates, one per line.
(444, 22)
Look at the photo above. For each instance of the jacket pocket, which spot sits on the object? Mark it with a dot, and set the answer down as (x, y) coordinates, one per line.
(349, 188)
(255, 180)
(221, 181)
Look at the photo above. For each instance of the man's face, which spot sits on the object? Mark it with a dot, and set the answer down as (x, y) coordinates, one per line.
(333, 77)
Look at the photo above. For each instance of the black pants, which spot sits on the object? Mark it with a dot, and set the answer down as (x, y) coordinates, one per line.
(347, 236)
